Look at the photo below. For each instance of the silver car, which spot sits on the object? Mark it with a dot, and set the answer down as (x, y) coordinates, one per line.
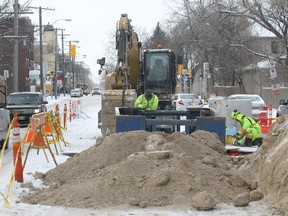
(96, 91)
(77, 92)
(183, 101)
(258, 104)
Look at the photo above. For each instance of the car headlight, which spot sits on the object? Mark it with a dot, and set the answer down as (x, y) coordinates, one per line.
(36, 111)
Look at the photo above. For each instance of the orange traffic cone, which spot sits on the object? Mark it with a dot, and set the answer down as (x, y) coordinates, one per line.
(17, 150)
(65, 117)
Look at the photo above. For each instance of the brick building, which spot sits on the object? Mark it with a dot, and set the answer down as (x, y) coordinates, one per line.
(26, 51)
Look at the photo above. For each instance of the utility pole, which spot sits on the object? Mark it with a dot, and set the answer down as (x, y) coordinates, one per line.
(72, 54)
(42, 87)
(73, 71)
(63, 61)
(56, 62)
(16, 47)
(70, 66)
(56, 56)
(206, 78)
(41, 53)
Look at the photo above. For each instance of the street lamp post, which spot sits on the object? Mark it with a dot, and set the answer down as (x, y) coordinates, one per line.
(16, 47)
(56, 62)
(42, 88)
(63, 62)
(72, 53)
(56, 55)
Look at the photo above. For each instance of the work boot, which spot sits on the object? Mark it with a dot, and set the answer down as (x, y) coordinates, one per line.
(257, 142)
(248, 142)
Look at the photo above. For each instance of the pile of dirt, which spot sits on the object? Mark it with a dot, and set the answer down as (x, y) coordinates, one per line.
(270, 166)
(145, 169)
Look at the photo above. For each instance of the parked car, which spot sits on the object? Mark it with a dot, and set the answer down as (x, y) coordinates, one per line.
(77, 92)
(25, 104)
(182, 101)
(4, 124)
(258, 104)
(96, 91)
(282, 108)
(4, 114)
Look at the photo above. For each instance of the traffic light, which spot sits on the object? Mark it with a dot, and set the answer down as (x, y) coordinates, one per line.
(180, 69)
(72, 51)
(101, 61)
(52, 73)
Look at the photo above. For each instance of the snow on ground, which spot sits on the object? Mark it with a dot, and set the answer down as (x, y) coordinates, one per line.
(81, 133)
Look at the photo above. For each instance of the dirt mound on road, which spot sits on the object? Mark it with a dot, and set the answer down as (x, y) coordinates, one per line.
(270, 166)
(144, 169)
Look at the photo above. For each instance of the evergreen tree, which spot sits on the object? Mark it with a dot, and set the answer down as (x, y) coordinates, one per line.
(159, 37)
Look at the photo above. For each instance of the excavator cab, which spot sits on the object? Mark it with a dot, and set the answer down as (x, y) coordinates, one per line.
(159, 74)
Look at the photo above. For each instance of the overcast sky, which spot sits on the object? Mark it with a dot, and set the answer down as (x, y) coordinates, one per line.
(93, 20)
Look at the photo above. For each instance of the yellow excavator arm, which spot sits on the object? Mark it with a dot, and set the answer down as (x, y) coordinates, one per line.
(126, 72)
(120, 86)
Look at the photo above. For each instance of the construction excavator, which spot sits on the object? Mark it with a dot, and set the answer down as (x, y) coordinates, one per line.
(136, 70)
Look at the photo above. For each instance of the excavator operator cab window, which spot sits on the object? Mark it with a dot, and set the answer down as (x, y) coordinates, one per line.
(158, 68)
(157, 72)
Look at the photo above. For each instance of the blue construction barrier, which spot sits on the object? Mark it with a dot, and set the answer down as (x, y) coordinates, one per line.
(130, 119)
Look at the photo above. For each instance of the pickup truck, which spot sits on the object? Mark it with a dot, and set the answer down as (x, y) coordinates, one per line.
(25, 104)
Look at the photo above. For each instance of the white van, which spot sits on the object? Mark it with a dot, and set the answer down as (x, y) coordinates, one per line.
(77, 92)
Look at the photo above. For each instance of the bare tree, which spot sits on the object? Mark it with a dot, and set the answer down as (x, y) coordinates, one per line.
(204, 36)
(272, 15)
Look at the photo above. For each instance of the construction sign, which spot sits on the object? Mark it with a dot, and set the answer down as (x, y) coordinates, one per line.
(72, 49)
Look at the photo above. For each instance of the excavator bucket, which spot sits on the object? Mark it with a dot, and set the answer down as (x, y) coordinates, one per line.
(110, 100)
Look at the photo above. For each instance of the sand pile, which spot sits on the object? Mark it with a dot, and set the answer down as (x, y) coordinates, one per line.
(145, 169)
(270, 166)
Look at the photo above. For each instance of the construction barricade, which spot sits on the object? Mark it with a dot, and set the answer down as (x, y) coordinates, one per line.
(43, 130)
(37, 137)
(75, 109)
(265, 119)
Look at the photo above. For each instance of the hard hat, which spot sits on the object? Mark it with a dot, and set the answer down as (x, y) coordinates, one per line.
(236, 115)
(148, 94)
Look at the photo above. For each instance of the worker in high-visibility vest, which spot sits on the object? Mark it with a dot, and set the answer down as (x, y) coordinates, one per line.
(147, 101)
(250, 130)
